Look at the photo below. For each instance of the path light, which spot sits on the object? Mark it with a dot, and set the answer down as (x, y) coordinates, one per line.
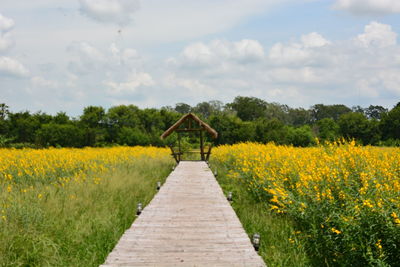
(139, 209)
(215, 173)
(158, 185)
(229, 198)
(173, 167)
(256, 241)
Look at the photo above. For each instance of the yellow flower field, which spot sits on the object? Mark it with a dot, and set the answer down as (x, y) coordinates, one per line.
(343, 198)
(68, 207)
(59, 166)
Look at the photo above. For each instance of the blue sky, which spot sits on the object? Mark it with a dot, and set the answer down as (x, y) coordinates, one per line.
(67, 54)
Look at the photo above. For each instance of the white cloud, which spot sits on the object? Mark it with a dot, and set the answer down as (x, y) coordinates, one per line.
(135, 80)
(123, 56)
(11, 67)
(202, 55)
(305, 71)
(377, 35)
(369, 7)
(313, 40)
(39, 81)
(297, 53)
(6, 42)
(192, 87)
(86, 51)
(110, 11)
(6, 24)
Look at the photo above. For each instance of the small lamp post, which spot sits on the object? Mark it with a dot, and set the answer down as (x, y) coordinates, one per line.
(215, 173)
(256, 241)
(158, 185)
(229, 198)
(139, 209)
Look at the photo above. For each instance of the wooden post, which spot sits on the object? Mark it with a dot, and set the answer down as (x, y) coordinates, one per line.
(201, 146)
(209, 152)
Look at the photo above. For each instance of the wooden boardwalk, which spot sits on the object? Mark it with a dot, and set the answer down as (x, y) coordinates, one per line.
(188, 223)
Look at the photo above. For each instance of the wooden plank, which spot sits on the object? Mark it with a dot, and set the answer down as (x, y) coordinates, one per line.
(188, 223)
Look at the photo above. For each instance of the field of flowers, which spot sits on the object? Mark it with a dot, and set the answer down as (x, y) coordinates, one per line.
(68, 207)
(344, 199)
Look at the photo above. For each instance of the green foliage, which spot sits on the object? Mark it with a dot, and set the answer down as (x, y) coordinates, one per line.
(65, 135)
(132, 137)
(301, 136)
(390, 124)
(328, 129)
(245, 119)
(357, 126)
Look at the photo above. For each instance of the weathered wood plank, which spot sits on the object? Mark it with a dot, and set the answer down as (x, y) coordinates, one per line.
(188, 223)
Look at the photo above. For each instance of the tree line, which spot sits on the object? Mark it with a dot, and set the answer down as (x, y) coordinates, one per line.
(245, 119)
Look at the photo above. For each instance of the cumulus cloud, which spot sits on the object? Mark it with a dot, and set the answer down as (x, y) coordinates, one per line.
(297, 52)
(12, 67)
(86, 51)
(369, 7)
(377, 35)
(301, 72)
(134, 81)
(39, 81)
(192, 88)
(85, 58)
(6, 24)
(202, 55)
(123, 56)
(110, 11)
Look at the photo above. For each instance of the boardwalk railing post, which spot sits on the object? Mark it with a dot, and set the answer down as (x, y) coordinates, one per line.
(158, 185)
(139, 209)
(229, 196)
(256, 241)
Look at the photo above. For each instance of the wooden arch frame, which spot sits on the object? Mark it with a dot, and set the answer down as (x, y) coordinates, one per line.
(185, 124)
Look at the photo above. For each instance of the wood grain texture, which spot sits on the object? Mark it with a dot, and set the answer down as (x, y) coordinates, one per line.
(188, 223)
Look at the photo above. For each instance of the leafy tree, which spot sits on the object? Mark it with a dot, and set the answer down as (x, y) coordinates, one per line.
(93, 117)
(357, 126)
(328, 129)
(132, 137)
(61, 118)
(23, 127)
(321, 111)
(298, 116)
(375, 112)
(390, 123)
(93, 120)
(65, 135)
(270, 131)
(301, 136)
(183, 108)
(248, 108)
(276, 111)
(4, 111)
(231, 129)
(206, 109)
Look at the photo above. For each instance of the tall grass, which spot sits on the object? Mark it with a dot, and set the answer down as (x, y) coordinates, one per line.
(79, 223)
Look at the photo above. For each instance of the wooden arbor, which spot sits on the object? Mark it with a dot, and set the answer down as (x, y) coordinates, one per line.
(190, 123)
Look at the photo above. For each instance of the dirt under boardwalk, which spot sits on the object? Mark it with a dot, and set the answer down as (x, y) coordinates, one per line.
(188, 223)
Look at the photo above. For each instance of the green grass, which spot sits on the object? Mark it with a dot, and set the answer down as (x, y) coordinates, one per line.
(280, 245)
(79, 224)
